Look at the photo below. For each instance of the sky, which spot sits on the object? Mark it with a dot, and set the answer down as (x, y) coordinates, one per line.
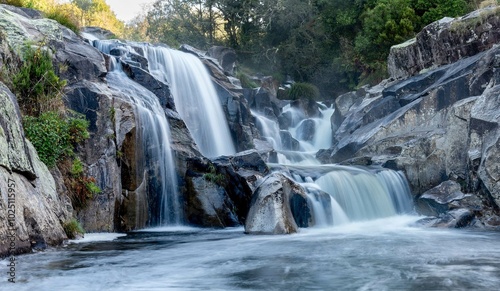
(126, 10)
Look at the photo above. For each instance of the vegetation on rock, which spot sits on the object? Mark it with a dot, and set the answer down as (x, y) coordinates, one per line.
(73, 228)
(75, 13)
(36, 84)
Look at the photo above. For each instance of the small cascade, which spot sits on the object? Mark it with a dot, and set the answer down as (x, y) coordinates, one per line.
(270, 130)
(364, 195)
(154, 159)
(195, 97)
(354, 193)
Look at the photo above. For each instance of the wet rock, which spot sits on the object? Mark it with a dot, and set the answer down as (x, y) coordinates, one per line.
(309, 107)
(270, 211)
(226, 57)
(288, 142)
(437, 200)
(306, 130)
(457, 218)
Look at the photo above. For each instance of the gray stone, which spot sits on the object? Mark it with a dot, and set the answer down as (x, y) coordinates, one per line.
(270, 211)
(444, 42)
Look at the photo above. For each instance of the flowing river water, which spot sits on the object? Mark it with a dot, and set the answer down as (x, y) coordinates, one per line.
(383, 254)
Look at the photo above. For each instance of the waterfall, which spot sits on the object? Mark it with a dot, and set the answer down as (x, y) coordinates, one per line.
(154, 160)
(355, 193)
(195, 97)
(363, 195)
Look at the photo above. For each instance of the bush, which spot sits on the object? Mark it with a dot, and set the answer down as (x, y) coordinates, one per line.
(36, 85)
(303, 91)
(77, 168)
(54, 136)
(64, 19)
(245, 80)
(213, 177)
(72, 228)
(18, 3)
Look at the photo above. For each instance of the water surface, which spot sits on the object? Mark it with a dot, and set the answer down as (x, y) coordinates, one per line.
(384, 254)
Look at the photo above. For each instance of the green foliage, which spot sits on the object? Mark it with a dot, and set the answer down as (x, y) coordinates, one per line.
(333, 44)
(92, 188)
(54, 136)
(245, 80)
(304, 91)
(77, 128)
(37, 86)
(389, 22)
(432, 10)
(17, 3)
(213, 176)
(64, 18)
(72, 228)
(77, 167)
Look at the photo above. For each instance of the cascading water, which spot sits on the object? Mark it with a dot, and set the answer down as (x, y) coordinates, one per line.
(155, 161)
(355, 193)
(195, 97)
(194, 93)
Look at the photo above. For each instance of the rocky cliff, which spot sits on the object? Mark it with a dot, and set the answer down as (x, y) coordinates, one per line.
(437, 126)
(112, 154)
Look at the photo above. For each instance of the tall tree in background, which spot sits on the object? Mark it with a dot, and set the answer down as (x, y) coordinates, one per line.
(183, 21)
(84, 6)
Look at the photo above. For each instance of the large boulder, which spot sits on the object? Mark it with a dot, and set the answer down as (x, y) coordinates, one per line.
(270, 209)
(225, 56)
(444, 42)
(218, 192)
(31, 211)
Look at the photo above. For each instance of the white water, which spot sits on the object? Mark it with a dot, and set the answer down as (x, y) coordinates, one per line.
(383, 254)
(195, 98)
(194, 94)
(356, 194)
(153, 134)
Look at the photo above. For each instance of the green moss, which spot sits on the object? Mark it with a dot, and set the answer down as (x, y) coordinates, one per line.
(77, 167)
(72, 228)
(92, 188)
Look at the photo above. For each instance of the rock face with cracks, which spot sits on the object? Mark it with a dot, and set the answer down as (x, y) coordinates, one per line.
(270, 211)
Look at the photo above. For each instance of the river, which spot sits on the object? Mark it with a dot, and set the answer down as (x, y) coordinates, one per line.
(383, 254)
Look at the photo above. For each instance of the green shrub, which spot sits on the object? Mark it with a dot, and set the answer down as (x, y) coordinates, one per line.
(18, 3)
(72, 228)
(54, 136)
(92, 188)
(64, 19)
(245, 80)
(303, 91)
(36, 85)
(77, 167)
(213, 177)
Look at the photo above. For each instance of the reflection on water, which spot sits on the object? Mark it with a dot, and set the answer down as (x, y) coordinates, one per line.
(386, 254)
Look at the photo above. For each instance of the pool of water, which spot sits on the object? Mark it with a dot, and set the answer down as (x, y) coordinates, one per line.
(385, 254)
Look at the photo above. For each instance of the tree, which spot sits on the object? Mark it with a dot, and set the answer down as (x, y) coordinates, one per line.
(84, 6)
(183, 21)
